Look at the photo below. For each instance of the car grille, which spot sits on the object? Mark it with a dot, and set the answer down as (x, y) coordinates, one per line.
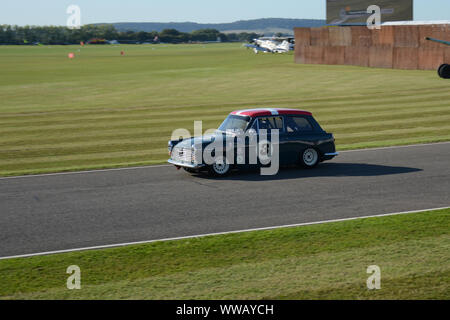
(183, 155)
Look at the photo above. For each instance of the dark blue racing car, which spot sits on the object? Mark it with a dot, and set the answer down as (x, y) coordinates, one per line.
(253, 138)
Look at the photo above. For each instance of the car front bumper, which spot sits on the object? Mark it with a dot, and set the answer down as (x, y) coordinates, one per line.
(186, 165)
(329, 156)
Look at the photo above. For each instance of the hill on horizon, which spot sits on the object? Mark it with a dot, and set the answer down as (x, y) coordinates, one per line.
(267, 26)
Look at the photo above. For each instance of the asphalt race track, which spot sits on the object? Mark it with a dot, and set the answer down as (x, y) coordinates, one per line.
(58, 212)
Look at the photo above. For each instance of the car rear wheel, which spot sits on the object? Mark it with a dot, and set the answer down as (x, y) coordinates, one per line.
(309, 158)
(220, 168)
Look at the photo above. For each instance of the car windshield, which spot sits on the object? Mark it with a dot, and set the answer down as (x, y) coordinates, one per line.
(234, 123)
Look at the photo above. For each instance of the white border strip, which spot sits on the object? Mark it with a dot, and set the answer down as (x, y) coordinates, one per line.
(215, 234)
(165, 165)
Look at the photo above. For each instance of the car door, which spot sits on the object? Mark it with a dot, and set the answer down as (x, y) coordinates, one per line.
(299, 135)
(270, 123)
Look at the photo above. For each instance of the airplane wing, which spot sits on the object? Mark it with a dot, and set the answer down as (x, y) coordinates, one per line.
(255, 47)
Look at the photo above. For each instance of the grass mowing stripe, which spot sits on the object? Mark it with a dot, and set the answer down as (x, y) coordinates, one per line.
(376, 119)
(383, 114)
(132, 147)
(405, 141)
(431, 120)
(44, 120)
(276, 263)
(68, 146)
(394, 132)
(109, 154)
(393, 107)
(100, 125)
(132, 115)
(330, 102)
(160, 133)
(139, 122)
(338, 102)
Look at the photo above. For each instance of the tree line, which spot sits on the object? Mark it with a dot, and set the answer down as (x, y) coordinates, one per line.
(55, 35)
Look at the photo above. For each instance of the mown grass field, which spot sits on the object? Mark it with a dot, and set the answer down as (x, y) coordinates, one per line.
(326, 261)
(106, 110)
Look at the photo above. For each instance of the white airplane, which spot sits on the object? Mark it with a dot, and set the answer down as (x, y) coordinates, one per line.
(272, 45)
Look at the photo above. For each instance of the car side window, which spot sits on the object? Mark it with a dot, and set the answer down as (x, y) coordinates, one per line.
(297, 124)
(270, 123)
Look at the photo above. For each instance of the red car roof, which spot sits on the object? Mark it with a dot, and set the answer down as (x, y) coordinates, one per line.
(270, 112)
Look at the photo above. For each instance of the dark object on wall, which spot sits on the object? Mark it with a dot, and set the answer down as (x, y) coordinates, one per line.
(444, 69)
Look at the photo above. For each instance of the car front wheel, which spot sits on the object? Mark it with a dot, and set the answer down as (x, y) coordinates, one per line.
(309, 158)
(220, 168)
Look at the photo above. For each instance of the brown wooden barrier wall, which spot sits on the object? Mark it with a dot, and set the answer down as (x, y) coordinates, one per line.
(399, 47)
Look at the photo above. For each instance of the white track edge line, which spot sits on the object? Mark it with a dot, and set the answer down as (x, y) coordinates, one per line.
(215, 234)
(166, 165)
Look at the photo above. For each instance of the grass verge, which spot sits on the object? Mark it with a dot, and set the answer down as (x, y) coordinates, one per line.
(327, 261)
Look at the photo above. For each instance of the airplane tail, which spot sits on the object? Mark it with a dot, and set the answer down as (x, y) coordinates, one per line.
(285, 45)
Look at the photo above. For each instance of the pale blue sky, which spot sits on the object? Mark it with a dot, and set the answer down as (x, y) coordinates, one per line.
(53, 12)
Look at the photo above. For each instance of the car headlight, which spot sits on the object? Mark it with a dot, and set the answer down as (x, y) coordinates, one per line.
(193, 152)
